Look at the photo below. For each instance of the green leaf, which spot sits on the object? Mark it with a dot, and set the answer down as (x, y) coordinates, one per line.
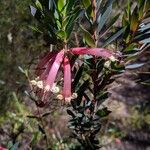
(78, 75)
(60, 4)
(88, 37)
(15, 146)
(125, 19)
(70, 113)
(109, 26)
(34, 138)
(71, 21)
(69, 6)
(104, 18)
(129, 9)
(61, 34)
(81, 90)
(134, 20)
(21, 69)
(102, 95)
(134, 66)
(103, 112)
(145, 27)
(38, 5)
(113, 37)
(86, 3)
(35, 29)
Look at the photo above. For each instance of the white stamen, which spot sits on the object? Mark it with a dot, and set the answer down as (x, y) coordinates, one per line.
(107, 64)
(10, 37)
(47, 88)
(74, 96)
(55, 89)
(33, 82)
(112, 58)
(60, 97)
(40, 84)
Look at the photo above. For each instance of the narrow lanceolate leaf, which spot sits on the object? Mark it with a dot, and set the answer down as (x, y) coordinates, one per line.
(113, 37)
(99, 52)
(67, 78)
(104, 18)
(134, 66)
(134, 20)
(71, 21)
(109, 26)
(38, 4)
(78, 75)
(145, 27)
(54, 69)
(60, 4)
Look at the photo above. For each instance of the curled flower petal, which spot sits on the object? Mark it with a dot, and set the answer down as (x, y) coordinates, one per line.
(53, 71)
(100, 52)
(43, 63)
(45, 73)
(67, 79)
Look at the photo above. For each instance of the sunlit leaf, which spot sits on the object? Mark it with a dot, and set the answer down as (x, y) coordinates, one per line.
(38, 4)
(60, 4)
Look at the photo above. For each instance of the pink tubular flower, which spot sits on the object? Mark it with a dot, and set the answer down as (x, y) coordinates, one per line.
(53, 71)
(43, 63)
(67, 80)
(99, 52)
(49, 66)
(1, 148)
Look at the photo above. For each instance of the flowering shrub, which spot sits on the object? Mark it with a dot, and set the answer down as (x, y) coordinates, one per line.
(80, 35)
